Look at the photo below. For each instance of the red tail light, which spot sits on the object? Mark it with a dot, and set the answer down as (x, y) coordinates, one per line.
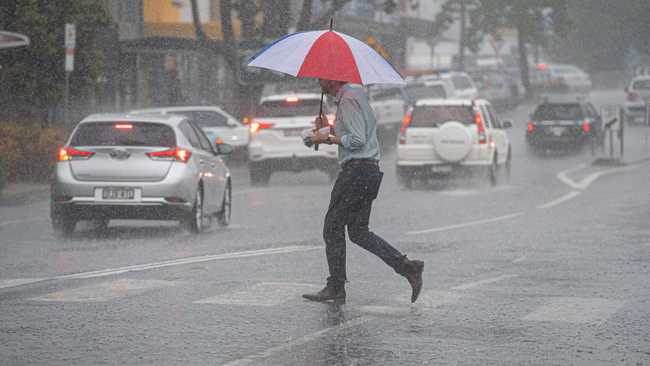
(177, 154)
(482, 137)
(586, 126)
(405, 125)
(256, 126)
(531, 127)
(70, 153)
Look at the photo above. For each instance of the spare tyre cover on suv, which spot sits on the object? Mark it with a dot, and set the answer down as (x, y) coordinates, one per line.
(453, 142)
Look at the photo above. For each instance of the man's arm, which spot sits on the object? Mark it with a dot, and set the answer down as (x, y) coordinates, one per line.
(350, 116)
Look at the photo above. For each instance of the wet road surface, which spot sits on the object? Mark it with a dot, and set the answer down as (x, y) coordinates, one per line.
(549, 267)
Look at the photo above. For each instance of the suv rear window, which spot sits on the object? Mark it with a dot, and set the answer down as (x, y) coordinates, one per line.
(567, 111)
(433, 116)
(289, 108)
(461, 82)
(421, 91)
(124, 134)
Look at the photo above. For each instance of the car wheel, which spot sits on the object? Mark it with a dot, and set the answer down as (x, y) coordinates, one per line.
(62, 222)
(260, 175)
(194, 221)
(493, 171)
(223, 217)
(508, 167)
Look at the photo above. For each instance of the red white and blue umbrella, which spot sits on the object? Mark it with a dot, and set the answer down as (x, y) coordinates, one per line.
(327, 55)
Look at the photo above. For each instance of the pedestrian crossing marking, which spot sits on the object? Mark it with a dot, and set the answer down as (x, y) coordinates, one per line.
(263, 294)
(575, 310)
(105, 291)
(14, 282)
(428, 300)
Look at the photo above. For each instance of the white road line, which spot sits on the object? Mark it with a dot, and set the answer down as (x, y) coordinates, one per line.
(466, 224)
(294, 343)
(487, 281)
(18, 282)
(588, 180)
(566, 197)
(562, 176)
(178, 262)
(520, 259)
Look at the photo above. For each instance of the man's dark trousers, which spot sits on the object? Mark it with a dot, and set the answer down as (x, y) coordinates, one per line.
(350, 204)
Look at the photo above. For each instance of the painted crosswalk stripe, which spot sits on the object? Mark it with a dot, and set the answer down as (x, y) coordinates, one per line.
(262, 294)
(106, 291)
(480, 283)
(575, 310)
(174, 262)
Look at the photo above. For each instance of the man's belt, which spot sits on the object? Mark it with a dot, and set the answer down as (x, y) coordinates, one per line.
(354, 162)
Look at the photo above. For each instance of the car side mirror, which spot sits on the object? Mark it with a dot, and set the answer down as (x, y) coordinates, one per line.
(507, 123)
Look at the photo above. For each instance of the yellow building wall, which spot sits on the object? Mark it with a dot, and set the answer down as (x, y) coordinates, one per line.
(163, 19)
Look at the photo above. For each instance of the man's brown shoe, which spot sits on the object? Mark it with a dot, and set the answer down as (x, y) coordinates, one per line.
(412, 270)
(328, 293)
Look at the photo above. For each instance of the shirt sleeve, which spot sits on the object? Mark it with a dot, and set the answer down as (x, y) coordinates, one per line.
(354, 126)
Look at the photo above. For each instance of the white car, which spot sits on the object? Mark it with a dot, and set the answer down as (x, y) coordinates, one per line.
(276, 144)
(389, 105)
(638, 95)
(463, 84)
(429, 89)
(216, 123)
(441, 136)
(560, 78)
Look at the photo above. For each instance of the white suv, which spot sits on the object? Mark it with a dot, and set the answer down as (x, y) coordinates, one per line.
(638, 95)
(275, 141)
(440, 136)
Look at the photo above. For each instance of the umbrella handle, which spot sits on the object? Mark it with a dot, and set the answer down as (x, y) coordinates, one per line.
(320, 114)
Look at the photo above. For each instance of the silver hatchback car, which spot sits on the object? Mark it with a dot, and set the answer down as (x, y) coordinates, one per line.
(159, 167)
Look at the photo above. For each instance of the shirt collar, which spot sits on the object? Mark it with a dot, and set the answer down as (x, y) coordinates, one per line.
(342, 91)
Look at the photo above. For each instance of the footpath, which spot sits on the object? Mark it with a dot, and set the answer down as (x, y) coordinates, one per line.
(15, 194)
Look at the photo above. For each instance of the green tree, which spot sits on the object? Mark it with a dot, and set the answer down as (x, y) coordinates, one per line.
(33, 77)
(525, 16)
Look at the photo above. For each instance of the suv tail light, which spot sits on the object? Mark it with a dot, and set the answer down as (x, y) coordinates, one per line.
(176, 154)
(405, 124)
(70, 153)
(482, 137)
(255, 126)
(586, 126)
(530, 127)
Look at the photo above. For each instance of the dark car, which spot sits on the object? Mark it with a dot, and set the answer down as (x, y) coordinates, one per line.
(564, 125)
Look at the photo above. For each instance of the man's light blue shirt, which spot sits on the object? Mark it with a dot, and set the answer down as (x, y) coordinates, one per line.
(355, 125)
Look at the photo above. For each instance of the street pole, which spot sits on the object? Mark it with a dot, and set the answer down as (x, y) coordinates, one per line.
(461, 43)
(66, 94)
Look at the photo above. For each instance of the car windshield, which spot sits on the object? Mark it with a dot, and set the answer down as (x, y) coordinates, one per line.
(421, 91)
(386, 94)
(289, 108)
(206, 118)
(461, 82)
(116, 133)
(641, 84)
(433, 116)
(558, 112)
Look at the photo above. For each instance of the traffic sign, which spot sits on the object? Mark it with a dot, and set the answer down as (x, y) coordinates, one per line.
(610, 115)
(70, 35)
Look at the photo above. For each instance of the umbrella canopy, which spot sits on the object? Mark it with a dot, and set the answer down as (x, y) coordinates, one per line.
(327, 55)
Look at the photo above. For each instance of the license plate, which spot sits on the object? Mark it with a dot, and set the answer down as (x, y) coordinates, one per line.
(441, 169)
(292, 132)
(118, 193)
(557, 131)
